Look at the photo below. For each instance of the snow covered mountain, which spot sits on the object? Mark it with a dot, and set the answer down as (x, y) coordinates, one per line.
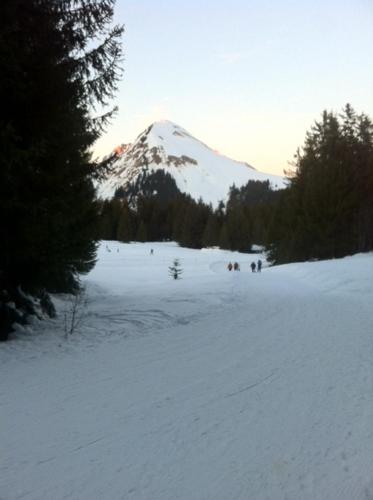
(197, 169)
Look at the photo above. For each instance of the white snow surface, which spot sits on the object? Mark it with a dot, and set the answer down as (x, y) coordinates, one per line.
(222, 385)
(197, 169)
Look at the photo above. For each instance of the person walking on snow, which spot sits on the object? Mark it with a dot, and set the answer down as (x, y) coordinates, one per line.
(253, 266)
(259, 266)
(230, 266)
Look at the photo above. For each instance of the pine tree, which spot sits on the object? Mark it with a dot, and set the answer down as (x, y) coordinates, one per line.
(106, 224)
(175, 270)
(52, 75)
(141, 234)
(212, 231)
(194, 223)
(224, 238)
(327, 210)
(238, 230)
(124, 229)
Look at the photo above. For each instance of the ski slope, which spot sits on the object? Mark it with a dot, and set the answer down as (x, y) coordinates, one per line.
(219, 386)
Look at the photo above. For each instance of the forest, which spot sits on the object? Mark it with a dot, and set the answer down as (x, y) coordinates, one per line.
(325, 212)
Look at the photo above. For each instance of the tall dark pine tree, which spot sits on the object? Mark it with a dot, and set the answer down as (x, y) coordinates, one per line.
(327, 210)
(59, 61)
(211, 232)
(124, 230)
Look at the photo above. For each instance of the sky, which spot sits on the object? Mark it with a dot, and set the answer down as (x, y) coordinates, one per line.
(247, 77)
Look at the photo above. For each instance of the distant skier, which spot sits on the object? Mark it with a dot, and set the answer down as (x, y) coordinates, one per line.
(253, 266)
(236, 266)
(230, 267)
(259, 265)
(151, 251)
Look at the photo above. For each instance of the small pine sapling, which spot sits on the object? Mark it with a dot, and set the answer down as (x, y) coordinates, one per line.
(175, 270)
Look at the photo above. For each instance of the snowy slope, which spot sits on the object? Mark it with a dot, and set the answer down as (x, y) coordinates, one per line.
(196, 168)
(219, 386)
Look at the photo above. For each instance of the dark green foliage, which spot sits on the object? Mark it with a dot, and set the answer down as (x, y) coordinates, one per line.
(141, 234)
(223, 241)
(251, 206)
(117, 221)
(253, 193)
(110, 213)
(211, 232)
(125, 225)
(52, 75)
(327, 210)
(157, 184)
(195, 224)
(238, 229)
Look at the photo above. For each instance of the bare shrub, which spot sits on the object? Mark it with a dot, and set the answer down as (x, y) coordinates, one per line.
(75, 312)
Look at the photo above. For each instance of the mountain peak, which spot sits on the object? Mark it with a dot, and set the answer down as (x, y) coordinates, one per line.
(165, 123)
(197, 169)
(167, 127)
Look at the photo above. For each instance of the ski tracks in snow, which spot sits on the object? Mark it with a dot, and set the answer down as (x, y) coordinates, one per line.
(222, 386)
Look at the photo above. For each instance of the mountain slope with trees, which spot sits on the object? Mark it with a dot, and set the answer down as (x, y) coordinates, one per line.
(198, 170)
(326, 210)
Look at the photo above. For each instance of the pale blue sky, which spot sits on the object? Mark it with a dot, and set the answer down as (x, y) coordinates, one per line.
(246, 77)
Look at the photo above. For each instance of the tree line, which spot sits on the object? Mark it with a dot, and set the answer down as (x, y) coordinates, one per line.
(326, 210)
(236, 225)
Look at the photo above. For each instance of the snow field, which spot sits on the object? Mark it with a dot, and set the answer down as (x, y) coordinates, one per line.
(218, 386)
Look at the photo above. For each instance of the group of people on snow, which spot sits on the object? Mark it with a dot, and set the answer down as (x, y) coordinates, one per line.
(255, 267)
(235, 266)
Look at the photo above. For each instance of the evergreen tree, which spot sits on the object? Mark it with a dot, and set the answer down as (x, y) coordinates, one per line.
(175, 270)
(105, 229)
(212, 231)
(124, 230)
(179, 210)
(327, 210)
(224, 238)
(52, 75)
(109, 217)
(141, 234)
(194, 224)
